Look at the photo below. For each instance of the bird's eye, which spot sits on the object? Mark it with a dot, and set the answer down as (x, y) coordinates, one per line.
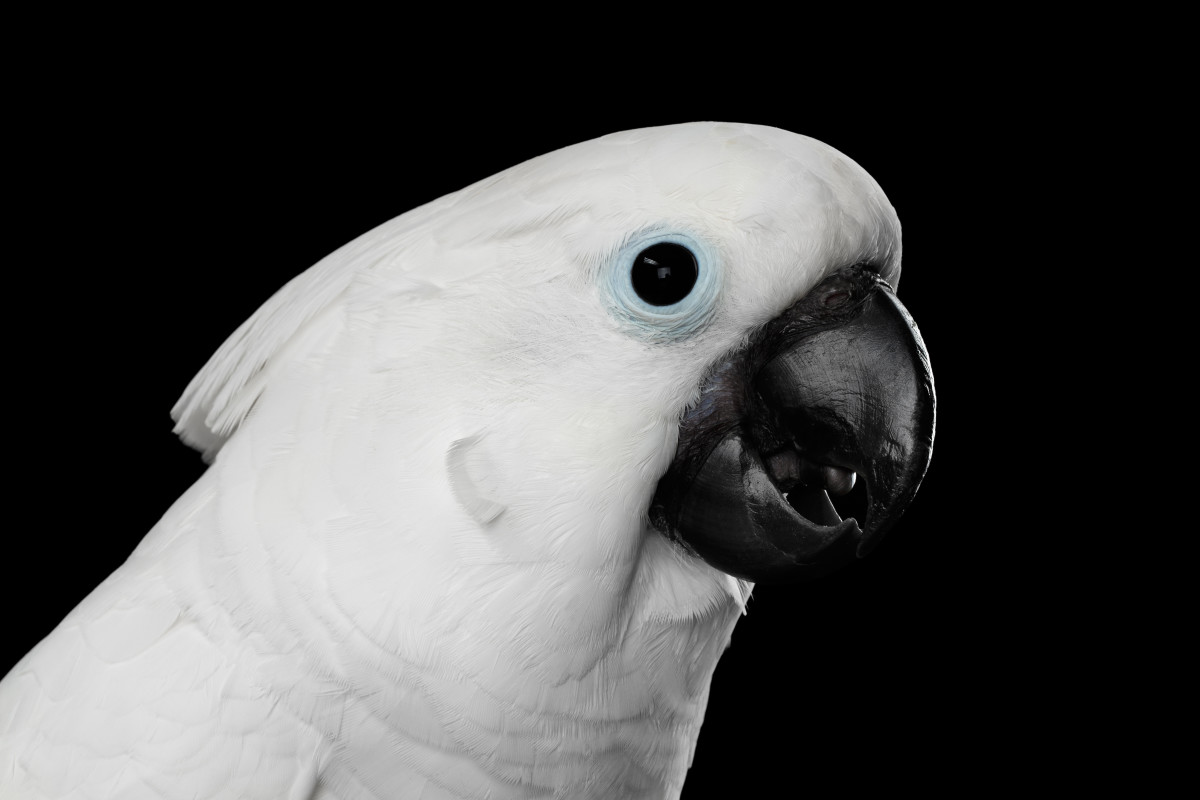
(663, 273)
(663, 285)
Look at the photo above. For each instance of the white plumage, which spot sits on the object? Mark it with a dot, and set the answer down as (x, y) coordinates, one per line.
(419, 565)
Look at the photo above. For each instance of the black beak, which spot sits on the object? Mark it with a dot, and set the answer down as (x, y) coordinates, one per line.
(836, 388)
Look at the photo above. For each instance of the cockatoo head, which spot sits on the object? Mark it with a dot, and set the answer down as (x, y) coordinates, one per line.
(673, 340)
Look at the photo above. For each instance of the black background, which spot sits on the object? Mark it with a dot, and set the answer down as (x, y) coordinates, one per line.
(160, 210)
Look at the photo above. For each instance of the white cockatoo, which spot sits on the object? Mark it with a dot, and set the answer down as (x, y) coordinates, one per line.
(490, 484)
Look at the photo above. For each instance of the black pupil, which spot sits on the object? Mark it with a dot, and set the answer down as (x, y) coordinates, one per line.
(664, 273)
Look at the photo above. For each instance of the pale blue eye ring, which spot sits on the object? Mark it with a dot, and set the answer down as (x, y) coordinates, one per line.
(661, 320)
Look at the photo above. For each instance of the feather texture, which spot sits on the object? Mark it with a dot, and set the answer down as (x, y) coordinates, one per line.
(420, 565)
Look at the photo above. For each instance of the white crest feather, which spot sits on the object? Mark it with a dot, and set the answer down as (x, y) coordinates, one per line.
(292, 323)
